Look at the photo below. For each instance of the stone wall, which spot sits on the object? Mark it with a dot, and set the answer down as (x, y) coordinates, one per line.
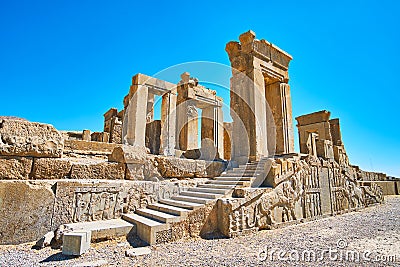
(301, 190)
(29, 209)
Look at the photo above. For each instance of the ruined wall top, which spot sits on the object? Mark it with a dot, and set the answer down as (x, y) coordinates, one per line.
(316, 117)
(261, 49)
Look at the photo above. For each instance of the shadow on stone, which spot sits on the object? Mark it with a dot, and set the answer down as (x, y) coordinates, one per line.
(58, 257)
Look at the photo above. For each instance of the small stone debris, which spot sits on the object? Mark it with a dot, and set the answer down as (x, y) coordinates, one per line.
(134, 252)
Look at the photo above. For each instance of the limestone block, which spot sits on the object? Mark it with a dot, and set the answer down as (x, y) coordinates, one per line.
(76, 243)
(143, 171)
(170, 167)
(88, 147)
(210, 168)
(116, 135)
(99, 170)
(46, 168)
(30, 139)
(15, 168)
(320, 116)
(128, 154)
(26, 209)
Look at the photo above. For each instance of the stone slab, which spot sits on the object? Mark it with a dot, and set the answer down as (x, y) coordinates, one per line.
(15, 168)
(104, 230)
(30, 139)
(26, 209)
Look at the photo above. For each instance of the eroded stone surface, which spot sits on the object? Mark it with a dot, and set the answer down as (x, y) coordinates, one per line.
(26, 209)
(98, 170)
(46, 168)
(128, 154)
(31, 139)
(15, 168)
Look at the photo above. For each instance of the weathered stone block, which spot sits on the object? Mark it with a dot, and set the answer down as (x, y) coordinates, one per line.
(15, 168)
(30, 139)
(88, 147)
(99, 170)
(128, 154)
(45, 168)
(76, 243)
(174, 167)
(26, 209)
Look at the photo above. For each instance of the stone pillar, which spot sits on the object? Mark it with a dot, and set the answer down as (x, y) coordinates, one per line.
(249, 106)
(280, 103)
(335, 132)
(212, 127)
(259, 73)
(168, 124)
(150, 107)
(207, 123)
(134, 124)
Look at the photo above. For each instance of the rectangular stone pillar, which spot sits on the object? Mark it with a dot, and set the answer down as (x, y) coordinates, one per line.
(279, 100)
(212, 127)
(134, 125)
(248, 111)
(187, 125)
(168, 123)
(150, 107)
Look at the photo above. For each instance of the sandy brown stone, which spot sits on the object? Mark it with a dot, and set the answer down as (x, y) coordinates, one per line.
(25, 210)
(88, 147)
(15, 168)
(100, 170)
(51, 168)
(128, 154)
(30, 139)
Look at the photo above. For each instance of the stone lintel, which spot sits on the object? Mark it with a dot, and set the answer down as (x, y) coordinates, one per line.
(316, 117)
(112, 112)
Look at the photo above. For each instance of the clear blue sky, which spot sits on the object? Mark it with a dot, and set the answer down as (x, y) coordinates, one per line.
(67, 62)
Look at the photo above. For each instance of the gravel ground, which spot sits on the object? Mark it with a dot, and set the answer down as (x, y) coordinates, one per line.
(371, 233)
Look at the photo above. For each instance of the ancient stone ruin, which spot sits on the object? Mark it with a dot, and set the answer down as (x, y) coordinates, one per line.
(162, 180)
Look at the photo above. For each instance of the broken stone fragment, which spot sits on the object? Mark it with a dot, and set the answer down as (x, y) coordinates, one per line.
(45, 240)
(134, 252)
(30, 139)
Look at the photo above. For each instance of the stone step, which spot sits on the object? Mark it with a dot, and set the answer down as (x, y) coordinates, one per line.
(217, 182)
(249, 168)
(168, 209)
(199, 200)
(146, 228)
(209, 190)
(201, 194)
(239, 174)
(233, 178)
(216, 186)
(158, 215)
(102, 230)
(181, 204)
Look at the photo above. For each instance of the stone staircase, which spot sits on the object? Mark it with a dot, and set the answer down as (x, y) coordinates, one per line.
(157, 218)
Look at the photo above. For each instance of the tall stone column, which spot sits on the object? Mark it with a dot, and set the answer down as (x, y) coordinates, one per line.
(258, 70)
(280, 103)
(168, 123)
(248, 105)
(134, 124)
